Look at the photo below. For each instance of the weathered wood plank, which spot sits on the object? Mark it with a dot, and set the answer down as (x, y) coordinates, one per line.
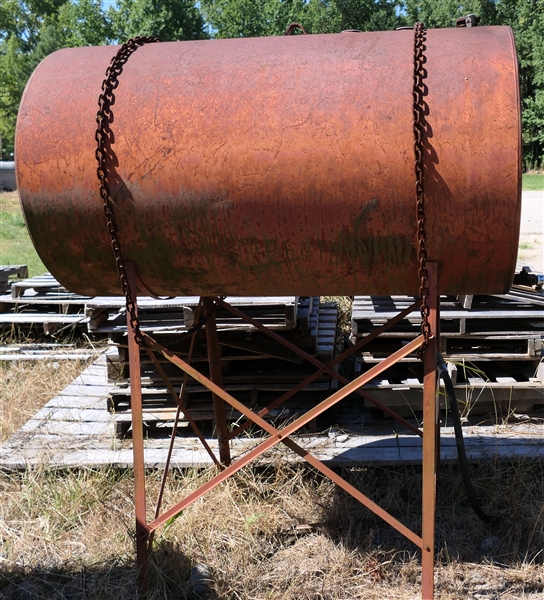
(56, 413)
(80, 402)
(67, 427)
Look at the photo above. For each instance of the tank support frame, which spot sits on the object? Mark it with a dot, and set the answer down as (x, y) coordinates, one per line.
(145, 529)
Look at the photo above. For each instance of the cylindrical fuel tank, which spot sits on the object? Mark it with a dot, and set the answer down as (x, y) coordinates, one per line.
(275, 166)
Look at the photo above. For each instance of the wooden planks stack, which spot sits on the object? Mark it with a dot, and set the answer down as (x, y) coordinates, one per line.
(493, 346)
(255, 368)
(9, 274)
(41, 305)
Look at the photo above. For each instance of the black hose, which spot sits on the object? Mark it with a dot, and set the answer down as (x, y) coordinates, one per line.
(460, 442)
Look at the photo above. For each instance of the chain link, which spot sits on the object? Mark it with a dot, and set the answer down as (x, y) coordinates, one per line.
(419, 131)
(103, 153)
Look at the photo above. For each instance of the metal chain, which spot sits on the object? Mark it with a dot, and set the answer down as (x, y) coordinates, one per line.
(103, 137)
(419, 131)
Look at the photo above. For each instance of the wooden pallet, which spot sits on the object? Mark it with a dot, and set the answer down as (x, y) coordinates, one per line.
(492, 387)
(42, 304)
(479, 348)
(40, 283)
(44, 352)
(176, 315)
(255, 368)
(500, 327)
(507, 314)
(10, 272)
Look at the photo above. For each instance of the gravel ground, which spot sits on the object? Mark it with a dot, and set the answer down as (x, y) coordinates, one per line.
(531, 243)
(532, 212)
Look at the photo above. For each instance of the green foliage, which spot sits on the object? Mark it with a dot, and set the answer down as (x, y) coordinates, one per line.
(84, 23)
(443, 13)
(168, 20)
(366, 15)
(245, 18)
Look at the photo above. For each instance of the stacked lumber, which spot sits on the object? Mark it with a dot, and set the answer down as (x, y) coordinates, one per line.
(255, 368)
(41, 305)
(492, 344)
(9, 274)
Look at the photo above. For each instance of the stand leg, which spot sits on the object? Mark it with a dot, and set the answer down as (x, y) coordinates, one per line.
(214, 359)
(137, 443)
(430, 439)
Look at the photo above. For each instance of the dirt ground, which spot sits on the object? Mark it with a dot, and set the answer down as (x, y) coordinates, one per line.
(531, 242)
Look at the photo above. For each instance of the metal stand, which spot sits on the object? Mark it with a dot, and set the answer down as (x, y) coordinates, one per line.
(145, 530)
(137, 442)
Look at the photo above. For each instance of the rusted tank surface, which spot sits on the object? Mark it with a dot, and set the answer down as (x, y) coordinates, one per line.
(274, 166)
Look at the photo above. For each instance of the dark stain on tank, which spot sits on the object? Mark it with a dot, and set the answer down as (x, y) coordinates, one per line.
(368, 208)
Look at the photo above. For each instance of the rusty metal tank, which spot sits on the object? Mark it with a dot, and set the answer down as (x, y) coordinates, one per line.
(274, 166)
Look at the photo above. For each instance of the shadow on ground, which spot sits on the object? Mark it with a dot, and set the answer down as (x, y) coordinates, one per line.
(171, 575)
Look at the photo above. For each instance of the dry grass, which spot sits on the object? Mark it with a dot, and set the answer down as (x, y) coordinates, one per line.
(26, 386)
(281, 532)
(344, 304)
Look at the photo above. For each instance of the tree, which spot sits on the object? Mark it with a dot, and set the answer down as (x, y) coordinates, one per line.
(443, 13)
(246, 18)
(23, 19)
(365, 15)
(84, 23)
(168, 20)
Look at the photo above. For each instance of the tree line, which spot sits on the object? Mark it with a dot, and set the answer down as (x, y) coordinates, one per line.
(32, 29)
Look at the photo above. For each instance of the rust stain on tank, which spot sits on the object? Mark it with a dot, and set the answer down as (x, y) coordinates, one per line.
(274, 166)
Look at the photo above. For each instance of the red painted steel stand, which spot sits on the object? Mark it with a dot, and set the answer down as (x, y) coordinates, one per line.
(430, 437)
(145, 530)
(214, 359)
(142, 533)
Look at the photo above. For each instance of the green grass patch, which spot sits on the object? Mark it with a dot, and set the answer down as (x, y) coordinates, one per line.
(16, 247)
(532, 182)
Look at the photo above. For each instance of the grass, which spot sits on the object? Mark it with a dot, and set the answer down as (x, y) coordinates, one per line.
(16, 247)
(280, 532)
(532, 181)
(45, 379)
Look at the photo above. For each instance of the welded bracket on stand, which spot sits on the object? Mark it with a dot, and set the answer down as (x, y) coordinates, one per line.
(425, 542)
